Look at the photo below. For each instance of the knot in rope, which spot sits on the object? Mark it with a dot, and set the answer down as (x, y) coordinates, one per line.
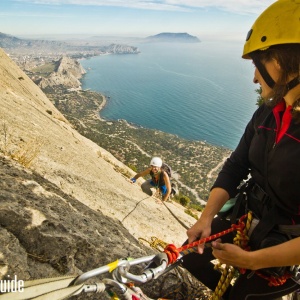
(172, 253)
(240, 225)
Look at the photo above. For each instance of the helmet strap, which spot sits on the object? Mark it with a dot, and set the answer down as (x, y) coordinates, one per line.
(262, 70)
(290, 85)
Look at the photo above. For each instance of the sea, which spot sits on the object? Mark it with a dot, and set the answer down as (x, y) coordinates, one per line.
(198, 91)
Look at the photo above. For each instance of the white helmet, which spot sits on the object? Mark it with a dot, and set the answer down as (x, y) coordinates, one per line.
(156, 162)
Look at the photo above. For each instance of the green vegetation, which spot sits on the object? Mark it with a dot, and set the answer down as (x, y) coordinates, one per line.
(19, 150)
(133, 168)
(189, 212)
(45, 70)
(191, 208)
(259, 100)
(184, 201)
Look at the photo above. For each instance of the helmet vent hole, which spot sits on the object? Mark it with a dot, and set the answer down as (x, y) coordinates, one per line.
(263, 38)
(249, 34)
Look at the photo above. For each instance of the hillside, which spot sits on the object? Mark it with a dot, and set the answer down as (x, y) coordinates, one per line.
(65, 206)
(16, 44)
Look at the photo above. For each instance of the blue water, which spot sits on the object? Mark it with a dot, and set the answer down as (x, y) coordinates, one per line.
(200, 91)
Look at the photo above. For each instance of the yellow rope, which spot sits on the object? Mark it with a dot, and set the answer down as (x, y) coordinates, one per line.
(156, 243)
(226, 277)
(241, 240)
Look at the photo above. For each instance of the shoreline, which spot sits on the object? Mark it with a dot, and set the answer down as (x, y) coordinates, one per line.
(101, 106)
(104, 100)
(135, 125)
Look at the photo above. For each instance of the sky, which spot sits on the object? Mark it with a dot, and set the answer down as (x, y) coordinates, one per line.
(206, 19)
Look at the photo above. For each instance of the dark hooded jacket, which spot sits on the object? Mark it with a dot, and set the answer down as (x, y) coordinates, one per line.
(269, 151)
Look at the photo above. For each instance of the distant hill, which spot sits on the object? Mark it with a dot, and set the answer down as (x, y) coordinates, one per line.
(8, 40)
(173, 37)
(29, 46)
(11, 42)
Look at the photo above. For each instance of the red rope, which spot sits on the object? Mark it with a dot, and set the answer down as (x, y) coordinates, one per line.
(274, 281)
(173, 252)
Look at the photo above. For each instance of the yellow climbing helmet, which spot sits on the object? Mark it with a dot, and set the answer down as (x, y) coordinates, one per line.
(278, 24)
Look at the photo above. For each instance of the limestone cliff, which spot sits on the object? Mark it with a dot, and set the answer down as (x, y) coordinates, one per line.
(67, 73)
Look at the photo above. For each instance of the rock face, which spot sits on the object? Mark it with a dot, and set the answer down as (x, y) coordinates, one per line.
(45, 232)
(67, 73)
(65, 207)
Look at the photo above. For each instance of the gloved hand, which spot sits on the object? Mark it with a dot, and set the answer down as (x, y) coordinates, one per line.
(133, 180)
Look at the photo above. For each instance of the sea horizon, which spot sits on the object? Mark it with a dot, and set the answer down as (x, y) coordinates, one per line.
(202, 91)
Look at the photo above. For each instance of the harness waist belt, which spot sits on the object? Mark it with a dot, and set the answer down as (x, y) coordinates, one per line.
(293, 230)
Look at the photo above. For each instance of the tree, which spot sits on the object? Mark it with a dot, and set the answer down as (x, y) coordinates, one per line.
(260, 99)
(184, 200)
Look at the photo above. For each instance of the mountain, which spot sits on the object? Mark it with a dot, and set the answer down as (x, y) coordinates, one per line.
(11, 42)
(8, 40)
(67, 73)
(173, 37)
(65, 205)
(76, 48)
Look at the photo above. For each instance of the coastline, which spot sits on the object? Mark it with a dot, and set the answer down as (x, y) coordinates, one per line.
(101, 106)
(104, 100)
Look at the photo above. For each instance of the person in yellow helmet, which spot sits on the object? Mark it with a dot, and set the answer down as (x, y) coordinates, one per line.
(269, 154)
